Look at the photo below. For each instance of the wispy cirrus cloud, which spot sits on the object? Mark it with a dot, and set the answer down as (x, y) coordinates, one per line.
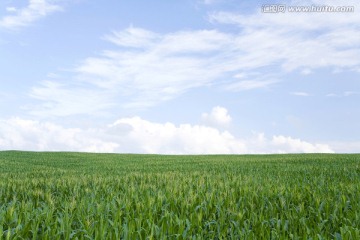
(210, 2)
(142, 73)
(351, 93)
(145, 68)
(304, 41)
(301, 94)
(35, 10)
(249, 84)
(344, 94)
(59, 100)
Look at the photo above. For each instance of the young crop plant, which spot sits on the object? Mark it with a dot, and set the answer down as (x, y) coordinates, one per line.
(128, 196)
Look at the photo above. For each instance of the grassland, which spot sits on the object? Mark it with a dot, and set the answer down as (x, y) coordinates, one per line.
(109, 196)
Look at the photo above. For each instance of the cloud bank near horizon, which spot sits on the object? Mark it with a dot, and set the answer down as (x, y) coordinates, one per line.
(136, 135)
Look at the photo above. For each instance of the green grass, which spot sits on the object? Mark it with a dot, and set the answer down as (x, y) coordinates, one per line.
(110, 196)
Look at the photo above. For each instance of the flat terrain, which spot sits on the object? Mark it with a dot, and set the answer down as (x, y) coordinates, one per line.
(120, 196)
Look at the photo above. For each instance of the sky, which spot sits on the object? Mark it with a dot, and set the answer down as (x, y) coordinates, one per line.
(179, 77)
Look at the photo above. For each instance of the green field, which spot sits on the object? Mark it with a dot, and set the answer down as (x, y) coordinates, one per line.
(110, 196)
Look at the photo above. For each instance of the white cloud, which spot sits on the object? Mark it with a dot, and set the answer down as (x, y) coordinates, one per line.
(300, 20)
(209, 2)
(185, 138)
(153, 69)
(35, 10)
(217, 117)
(346, 147)
(249, 84)
(350, 93)
(332, 95)
(344, 94)
(300, 40)
(125, 135)
(283, 144)
(300, 94)
(288, 144)
(146, 68)
(132, 37)
(85, 101)
(306, 71)
(22, 134)
(137, 135)
(157, 68)
(11, 9)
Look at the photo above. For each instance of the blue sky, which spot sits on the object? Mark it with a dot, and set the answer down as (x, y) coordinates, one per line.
(193, 76)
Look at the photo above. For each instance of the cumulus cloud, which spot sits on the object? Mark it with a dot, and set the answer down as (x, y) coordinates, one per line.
(259, 143)
(217, 117)
(35, 10)
(168, 138)
(288, 144)
(23, 134)
(137, 135)
(346, 147)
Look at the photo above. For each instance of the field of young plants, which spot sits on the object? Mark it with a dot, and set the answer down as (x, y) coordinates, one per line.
(117, 196)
